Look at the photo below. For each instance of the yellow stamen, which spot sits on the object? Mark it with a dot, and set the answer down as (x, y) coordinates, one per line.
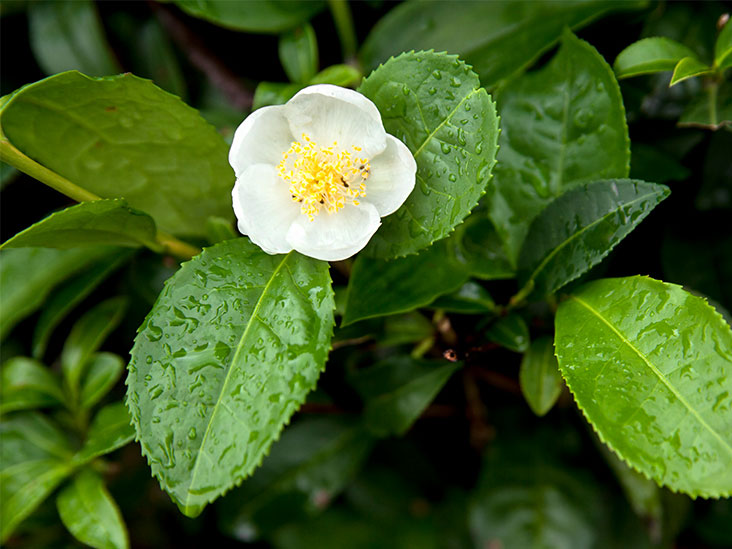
(323, 177)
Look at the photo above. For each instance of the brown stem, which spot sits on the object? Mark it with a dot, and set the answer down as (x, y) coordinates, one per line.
(203, 59)
(481, 433)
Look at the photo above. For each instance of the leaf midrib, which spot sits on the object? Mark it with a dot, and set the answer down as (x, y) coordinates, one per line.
(657, 372)
(448, 117)
(239, 348)
(575, 235)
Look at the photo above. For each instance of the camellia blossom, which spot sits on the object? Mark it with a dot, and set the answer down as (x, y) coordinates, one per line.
(317, 174)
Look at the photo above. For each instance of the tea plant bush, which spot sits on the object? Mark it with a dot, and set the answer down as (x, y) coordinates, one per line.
(533, 349)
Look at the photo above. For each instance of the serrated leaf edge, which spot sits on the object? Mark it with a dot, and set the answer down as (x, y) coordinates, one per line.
(692, 495)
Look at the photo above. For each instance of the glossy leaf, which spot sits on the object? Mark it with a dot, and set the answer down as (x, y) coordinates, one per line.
(102, 372)
(477, 244)
(578, 229)
(471, 298)
(510, 332)
(125, 138)
(712, 108)
(689, 67)
(219, 229)
(298, 51)
(110, 222)
(68, 295)
(561, 126)
(338, 75)
(85, 338)
(434, 103)
(111, 429)
(27, 384)
(246, 337)
(723, 48)
(541, 382)
(88, 511)
(378, 287)
(28, 275)
(497, 38)
(34, 459)
(649, 366)
(397, 390)
(57, 44)
(273, 93)
(308, 466)
(267, 16)
(655, 54)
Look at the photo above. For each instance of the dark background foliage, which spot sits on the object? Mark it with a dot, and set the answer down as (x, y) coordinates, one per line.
(427, 488)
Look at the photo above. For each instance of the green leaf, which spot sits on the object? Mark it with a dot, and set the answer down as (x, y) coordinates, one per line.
(111, 429)
(110, 222)
(687, 68)
(34, 459)
(246, 335)
(378, 287)
(711, 110)
(650, 55)
(7, 174)
(518, 505)
(58, 45)
(397, 390)
(219, 229)
(471, 298)
(497, 38)
(578, 229)
(125, 138)
(88, 511)
(102, 372)
(27, 384)
(65, 298)
(562, 126)
(265, 16)
(434, 103)
(723, 48)
(477, 244)
(307, 467)
(150, 51)
(298, 51)
(510, 332)
(643, 494)
(649, 366)
(541, 382)
(338, 75)
(407, 328)
(273, 93)
(86, 336)
(28, 275)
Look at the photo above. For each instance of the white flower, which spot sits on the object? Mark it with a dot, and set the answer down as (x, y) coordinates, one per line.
(317, 174)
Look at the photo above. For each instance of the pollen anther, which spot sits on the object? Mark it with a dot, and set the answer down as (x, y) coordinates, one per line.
(323, 178)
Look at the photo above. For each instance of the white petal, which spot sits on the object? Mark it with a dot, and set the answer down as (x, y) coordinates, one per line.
(336, 236)
(329, 113)
(261, 139)
(264, 208)
(392, 177)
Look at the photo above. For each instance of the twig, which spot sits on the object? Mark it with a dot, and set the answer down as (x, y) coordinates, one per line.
(480, 431)
(497, 380)
(202, 58)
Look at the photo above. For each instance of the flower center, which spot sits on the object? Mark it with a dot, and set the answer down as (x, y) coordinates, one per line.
(323, 177)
